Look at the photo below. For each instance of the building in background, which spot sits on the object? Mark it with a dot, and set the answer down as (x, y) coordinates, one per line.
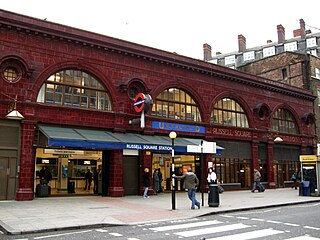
(80, 96)
(304, 41)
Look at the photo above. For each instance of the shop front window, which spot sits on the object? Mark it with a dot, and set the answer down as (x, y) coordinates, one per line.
(74, 88)
(233, 170)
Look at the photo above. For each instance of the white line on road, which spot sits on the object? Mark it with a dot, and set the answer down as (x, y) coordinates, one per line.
(303, 238)
(276, 222)
(257, 219)
(313, 228)
(243, 218)
(249, 235)
(186, 225)
(292, 224)
(62, 234)
(116, 234)
(219, 229)
(101, 230)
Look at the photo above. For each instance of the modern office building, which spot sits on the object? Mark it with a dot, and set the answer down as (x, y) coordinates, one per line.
(74, 100)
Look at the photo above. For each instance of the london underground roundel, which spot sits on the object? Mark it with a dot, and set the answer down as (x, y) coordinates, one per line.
(139, 102)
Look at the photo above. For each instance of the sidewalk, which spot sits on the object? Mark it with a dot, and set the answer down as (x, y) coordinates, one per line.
(56, 213)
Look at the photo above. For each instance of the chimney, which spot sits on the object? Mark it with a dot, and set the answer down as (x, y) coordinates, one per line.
(269, 41)
(296, 33)
(218, 53)
(281, 34)
(207, 52)
(302, 29)
(242, 43)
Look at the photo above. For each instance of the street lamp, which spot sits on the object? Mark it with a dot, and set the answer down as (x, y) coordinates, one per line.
(173, 135)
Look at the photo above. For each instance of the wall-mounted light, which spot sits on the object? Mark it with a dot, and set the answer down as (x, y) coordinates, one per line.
(278, 139)
(13, 113)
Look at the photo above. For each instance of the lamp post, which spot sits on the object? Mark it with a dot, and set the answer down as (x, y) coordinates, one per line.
(202, 175)
(173, 135)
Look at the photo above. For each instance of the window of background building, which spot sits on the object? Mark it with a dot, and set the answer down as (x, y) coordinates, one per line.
(74, 88)
(318, 94)
(284, 73)
(283, 121)
(317, 72)
(230, 60)
(229, 112)
(290, 46)
(247, 56)
(176, 104)
(270, 51)
(311, 42)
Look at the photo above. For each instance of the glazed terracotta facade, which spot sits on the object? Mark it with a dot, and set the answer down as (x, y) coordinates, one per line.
(39, 49)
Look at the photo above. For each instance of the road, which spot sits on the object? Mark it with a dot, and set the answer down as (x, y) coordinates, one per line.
(298, 222)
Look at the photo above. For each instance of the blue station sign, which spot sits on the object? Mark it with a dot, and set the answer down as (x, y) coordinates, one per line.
(178, 127)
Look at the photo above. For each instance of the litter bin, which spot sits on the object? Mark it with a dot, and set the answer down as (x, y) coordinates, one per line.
(306, 188)
(71, 186)
(213, 198)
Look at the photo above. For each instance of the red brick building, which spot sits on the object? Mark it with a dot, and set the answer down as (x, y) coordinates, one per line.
(76, 89)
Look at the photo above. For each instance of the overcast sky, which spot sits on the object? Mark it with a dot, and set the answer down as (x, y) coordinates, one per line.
(180, 26)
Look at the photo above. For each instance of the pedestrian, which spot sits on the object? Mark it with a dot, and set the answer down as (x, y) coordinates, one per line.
(146, 182)
(257, 183)
(88, 179)
(212, 176)
(95, 181)
(45, 175)
(160, 180)
(156, 181)
(294, 179)
(191, 183)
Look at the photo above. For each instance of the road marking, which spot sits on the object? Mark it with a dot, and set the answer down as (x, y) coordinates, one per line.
(249, 235)
(133, 238)
(276, 222)
(116, 234)
(257, 219)
(186, 225)
(292, 224)
(313, 228)
(101, 230)
(243, 218)
(303, 238)
(219, 229)
(62, 234)
(227, 216)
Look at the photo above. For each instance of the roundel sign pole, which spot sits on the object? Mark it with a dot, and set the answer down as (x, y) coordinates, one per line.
(141, 105)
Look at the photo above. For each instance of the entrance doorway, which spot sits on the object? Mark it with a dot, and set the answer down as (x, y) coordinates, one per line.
(8, 166)
(68, 169)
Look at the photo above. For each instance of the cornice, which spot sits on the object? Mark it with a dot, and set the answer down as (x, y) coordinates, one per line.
(49, 30)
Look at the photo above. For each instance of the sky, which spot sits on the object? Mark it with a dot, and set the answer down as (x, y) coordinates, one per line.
(180, 26)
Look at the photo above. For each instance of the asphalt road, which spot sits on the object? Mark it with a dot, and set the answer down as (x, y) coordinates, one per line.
(298, 222)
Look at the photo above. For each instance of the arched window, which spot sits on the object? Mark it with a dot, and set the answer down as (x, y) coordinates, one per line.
(74, 88)
(228, 112)
(176, 104)
(283, 121)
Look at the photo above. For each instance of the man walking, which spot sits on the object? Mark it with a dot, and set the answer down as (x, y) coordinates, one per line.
(257, 178)
(191, 183)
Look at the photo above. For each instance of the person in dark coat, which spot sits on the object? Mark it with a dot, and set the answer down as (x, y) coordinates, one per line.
(156, 181)
(160, 180)
(146, 182)
(191, 183)
(88, 179)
